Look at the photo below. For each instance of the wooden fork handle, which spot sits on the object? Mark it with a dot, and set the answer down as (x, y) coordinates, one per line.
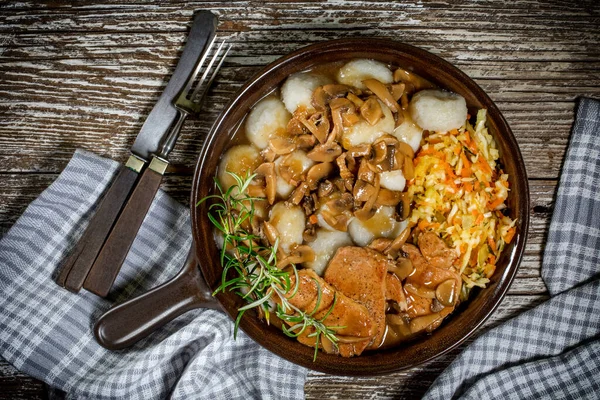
(76, 267)
(115, 249)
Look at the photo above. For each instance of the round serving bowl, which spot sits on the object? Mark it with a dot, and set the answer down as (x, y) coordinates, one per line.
(470, 315)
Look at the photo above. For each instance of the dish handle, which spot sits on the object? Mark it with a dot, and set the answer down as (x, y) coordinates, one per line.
(128, 322)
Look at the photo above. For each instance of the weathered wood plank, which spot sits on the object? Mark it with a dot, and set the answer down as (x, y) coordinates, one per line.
(277, 15)
(15, 385)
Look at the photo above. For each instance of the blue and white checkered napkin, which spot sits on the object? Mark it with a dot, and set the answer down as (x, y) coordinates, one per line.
(46, 331)
(553, 350)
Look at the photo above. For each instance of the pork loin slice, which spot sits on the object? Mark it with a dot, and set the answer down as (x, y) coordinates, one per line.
(435, 250)
(360, 273)
(357, 329)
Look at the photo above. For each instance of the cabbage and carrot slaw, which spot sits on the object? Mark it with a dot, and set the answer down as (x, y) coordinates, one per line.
(459, 192)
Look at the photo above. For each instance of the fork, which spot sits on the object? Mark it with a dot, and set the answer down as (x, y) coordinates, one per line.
(189, 102)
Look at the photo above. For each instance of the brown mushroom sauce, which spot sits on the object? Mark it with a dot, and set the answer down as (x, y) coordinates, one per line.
(403, 281)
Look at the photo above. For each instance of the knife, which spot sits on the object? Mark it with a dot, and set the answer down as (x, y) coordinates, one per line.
(114, 251)
(77, 266)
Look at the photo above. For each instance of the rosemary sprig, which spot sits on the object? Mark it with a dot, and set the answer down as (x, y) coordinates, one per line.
(256, 277)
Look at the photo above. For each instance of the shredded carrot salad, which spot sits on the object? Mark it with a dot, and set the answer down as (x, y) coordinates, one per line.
(459, 192)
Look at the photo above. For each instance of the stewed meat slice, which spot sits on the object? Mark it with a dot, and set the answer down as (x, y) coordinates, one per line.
(435, 250)
(360, 273)
(356, 328)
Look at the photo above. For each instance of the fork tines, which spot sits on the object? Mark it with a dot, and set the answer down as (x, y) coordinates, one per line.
(195, 88)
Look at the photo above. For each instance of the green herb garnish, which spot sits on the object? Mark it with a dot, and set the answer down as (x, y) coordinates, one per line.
(254, 266)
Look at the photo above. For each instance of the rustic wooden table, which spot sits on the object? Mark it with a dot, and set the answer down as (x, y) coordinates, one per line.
(77, 74)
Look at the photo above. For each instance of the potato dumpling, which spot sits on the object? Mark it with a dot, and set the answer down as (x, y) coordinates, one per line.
(298, 89)
(289, 222)
(325, 246)
(392, 180)
(240, 160)
(363, 132)
(267, 119)
(356, 71)
(410, 133)
(437, 110)
(382, 224)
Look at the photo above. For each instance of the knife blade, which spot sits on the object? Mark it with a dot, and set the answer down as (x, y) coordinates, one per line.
(76, 267)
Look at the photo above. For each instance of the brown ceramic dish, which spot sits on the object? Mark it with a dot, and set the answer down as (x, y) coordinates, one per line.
(127, 323)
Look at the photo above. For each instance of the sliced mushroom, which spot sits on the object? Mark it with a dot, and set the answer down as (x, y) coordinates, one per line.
(397, 90)
(338, 222)
(320, 98)
(281, 145)
(335, 90)
(446, 292)
(295, 127)
(268, 171)
(361, 150)
(408, 169)
(300, 254)
(305, 142)
(419, 83)
(325, 188)
(323, 94)
(403, 207)
(318, 172)
(349, 119)
(341, 103)
(398, 322)
(380, 244)
(429, 322)
(355, 99)
(405, 149)
(382, 93)
(299, 193)
(318, 125)
(397, 244)
(368, 210)
(363, 191)
(371, 111)
(365, 173)
(344, 171)
(326, 152)
(256, 191)
(268, 154)
(436, 306)
(403, 268)
(270, 232)
(421, 323)
(420, 291)
(398, 160)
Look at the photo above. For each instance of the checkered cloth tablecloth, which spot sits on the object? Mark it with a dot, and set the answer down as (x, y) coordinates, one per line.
(553, 350)
(46, 331)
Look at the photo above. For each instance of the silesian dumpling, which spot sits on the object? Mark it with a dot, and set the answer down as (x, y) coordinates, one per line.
(298, 89)
(289, 221)
(437, 110)
(356, 71)
(267, 119)
(240, 160)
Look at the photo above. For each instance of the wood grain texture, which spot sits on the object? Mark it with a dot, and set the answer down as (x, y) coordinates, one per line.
(85, 75)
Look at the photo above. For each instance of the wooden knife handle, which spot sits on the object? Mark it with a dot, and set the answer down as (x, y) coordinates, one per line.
(128, 322)
(76, 267)
(115, 249)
